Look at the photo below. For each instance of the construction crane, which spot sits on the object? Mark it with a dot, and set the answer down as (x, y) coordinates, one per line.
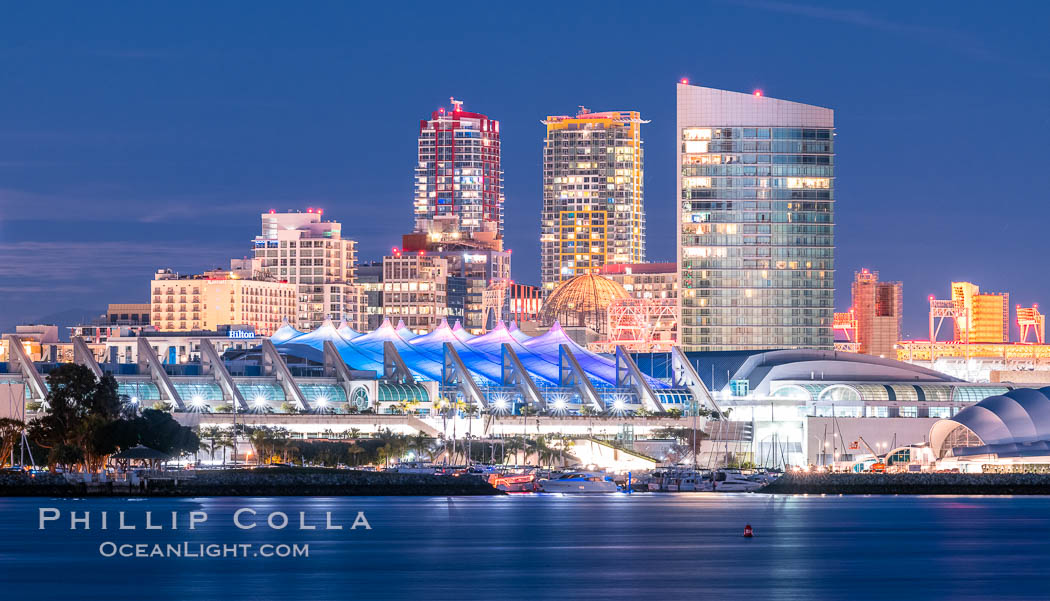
(880, 461)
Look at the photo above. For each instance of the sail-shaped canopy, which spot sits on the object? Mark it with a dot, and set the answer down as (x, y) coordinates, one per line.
(311, 346)
(433, 345)
(491, 345)
(285, 332)
(403, 331)
(346, 331)
(517, 333)
(461, 332)
(372, 343)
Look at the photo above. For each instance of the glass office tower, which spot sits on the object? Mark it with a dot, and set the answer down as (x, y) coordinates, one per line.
(756, 215)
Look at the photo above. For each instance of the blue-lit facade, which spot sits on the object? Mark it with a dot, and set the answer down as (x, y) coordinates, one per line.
(487, 359)
(756, 212)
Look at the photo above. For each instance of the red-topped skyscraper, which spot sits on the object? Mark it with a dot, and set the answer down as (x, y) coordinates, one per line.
(459, 181)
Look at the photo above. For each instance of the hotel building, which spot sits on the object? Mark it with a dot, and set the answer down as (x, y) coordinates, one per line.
(206, 301)
(415, 290)
(593, 210)
(756, 211)
(312, 254)
(459, 180)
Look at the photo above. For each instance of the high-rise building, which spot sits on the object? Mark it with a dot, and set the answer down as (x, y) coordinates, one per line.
(459, 180)
(593, 209)
(312, 253)
(756, 210)
(645, 280)
(877, 309)
(370, 278)
(206, 301)
(474, 264)
(415, 290)
(986, 316)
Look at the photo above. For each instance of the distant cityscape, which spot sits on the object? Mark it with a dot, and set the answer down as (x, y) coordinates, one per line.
(744, 319)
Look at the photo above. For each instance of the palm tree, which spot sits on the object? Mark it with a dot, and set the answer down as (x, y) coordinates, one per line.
(419, 443)
(548, 453)
(355, 449)
(224, 441)
(511, 445)
(258, 439)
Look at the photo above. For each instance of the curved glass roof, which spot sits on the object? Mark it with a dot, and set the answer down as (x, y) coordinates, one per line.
(402, 393)
(1002, 422)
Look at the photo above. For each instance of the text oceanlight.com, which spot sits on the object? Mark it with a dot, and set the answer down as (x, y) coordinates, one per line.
(203, 550)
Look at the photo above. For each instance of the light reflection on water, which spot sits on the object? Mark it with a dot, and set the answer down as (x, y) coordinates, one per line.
(551, 547)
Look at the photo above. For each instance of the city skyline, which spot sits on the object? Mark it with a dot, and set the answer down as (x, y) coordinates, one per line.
(124, 183)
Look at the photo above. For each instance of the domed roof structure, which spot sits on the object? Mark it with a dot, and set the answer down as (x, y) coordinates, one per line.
(1015, 424)
(582, 301)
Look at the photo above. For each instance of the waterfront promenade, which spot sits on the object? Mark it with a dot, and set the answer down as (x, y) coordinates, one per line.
(910, 484)
(250, 482)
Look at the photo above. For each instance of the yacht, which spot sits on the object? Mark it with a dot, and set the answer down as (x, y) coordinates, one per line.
(734, 481)
(578, 482)
(681, 480)
(516, 482)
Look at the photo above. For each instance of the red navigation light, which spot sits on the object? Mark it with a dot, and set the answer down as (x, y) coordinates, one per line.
(758, 93)
(309, 210)
(422, 253)
(931, 298)
(272, 211)
(685, 80)
(393, 249)
(319, 211)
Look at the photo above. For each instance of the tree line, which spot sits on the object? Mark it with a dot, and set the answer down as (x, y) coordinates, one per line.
(87, 421)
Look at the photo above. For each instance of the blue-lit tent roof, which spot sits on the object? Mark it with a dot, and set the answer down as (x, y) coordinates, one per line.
(311, 346)
(482, 355)
(461, 332)
(284, 333)
(403, 331)
(346, 331)
(316, 338)
(371, 344)
(433, 345)
(517, 333)
(491, 345)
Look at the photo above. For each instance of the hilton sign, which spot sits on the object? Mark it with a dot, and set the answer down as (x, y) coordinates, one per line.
(241, 334)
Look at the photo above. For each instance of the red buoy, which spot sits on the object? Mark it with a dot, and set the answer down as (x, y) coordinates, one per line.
(747, 531)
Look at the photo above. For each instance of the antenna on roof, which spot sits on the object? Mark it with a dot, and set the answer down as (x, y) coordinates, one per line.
(583, 110)
(457, 105)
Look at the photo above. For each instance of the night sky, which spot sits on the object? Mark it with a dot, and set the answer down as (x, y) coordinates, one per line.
(136, 137)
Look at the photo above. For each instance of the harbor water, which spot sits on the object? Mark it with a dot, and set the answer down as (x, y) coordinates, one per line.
(614, 546)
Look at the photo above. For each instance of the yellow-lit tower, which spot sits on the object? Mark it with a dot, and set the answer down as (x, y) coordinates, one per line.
(593, 194)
